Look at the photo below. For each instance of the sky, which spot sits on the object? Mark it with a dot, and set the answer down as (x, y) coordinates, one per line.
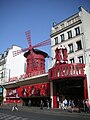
(18, 16)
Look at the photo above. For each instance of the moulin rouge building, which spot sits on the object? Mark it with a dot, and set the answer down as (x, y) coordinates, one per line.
(69, 75)
(33, 85)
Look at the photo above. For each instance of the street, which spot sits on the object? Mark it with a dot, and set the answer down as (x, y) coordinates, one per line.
(7, 114)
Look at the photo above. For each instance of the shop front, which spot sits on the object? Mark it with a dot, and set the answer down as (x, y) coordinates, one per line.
(32, 95)
(68, 81)
(29, 91)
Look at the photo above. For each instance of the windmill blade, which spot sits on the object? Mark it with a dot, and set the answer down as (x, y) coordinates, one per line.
(28, 36)
(17, 52)
(25, 49)
(44, 43)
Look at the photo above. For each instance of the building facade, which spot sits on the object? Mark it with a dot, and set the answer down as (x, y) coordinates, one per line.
(73, 33)
(67, 78)
(26, 83)
(11, 67)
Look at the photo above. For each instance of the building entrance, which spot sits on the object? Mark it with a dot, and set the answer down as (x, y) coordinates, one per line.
(71, 89)
(35, 101)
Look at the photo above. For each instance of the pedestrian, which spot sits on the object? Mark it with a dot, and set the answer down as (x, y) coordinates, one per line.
(41, 105)
(15, 107)
(48, 104)
(29, 103)
(65, 104)
(84, 106)
(79, 105)
(88, 106)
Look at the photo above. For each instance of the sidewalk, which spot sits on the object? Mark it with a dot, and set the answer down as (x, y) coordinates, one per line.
(46, 111)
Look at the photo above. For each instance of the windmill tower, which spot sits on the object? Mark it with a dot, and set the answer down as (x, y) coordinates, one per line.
(35, 58)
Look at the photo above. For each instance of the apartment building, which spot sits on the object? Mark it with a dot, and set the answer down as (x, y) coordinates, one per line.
(11, 67)
(73, 33)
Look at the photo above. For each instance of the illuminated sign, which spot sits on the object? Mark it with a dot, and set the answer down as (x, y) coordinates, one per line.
(66, 70)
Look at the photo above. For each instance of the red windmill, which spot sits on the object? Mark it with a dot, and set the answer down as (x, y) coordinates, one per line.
(35, 58)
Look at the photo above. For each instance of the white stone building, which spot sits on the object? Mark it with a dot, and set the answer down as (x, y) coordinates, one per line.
(74, 34)
(11, 67)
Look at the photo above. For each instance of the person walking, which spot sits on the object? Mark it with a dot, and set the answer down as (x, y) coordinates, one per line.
(65, 104)
(41, 105)
(15, 107)
(29, 103)
(79, 105)
(48, 106)
(88, 106)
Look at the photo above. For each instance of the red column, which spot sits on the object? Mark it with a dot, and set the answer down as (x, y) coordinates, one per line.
(54, 96)
(85, 89)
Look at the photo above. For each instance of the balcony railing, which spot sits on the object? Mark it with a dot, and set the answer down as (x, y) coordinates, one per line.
(66, 70)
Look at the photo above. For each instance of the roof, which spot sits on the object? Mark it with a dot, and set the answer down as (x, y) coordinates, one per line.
(36, 51)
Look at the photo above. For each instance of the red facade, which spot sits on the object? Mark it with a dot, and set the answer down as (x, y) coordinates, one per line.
(66, 70)
(61, 55)
(60, 73)
(66, 77)
(35, 66)
(41, 89)
(34, 90)
(35, 61)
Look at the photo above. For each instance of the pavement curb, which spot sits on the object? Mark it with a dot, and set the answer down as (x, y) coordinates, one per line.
(46, 111)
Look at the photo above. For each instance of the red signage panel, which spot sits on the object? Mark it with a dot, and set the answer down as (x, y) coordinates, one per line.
(42, 89)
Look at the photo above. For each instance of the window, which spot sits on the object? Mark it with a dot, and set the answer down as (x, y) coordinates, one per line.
(36, 64)
(69, 34)
(58, 72)
(72, 60)
(70, 48)
(79, 45)
(62, 37)
(62, 26)
(80, 59)
(2, 75)
(77, 31)
(5, 53)
(41, 64)
(56, 40)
